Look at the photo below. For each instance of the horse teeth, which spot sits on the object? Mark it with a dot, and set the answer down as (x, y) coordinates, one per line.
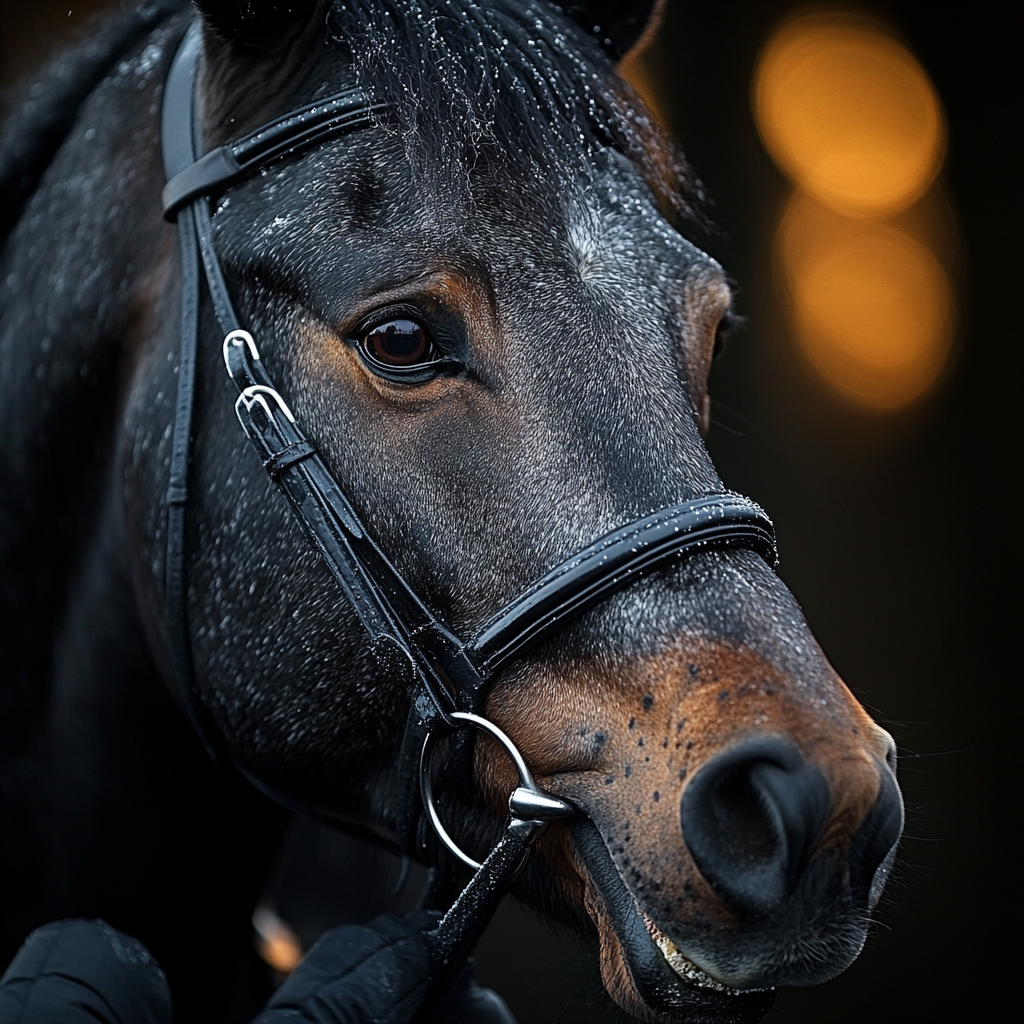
(686, 969)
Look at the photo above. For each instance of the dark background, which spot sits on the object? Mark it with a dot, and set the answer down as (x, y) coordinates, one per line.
(898, 534)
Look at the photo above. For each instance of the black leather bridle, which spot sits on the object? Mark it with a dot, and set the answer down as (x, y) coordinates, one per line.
(448, 677)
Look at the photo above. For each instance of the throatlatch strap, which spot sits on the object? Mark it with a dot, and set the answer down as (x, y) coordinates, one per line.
(176, 587)
(177, 150)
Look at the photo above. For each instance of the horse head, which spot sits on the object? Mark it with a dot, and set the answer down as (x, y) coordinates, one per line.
(479, 309)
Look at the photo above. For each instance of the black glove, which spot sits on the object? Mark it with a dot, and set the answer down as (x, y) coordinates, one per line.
(83, 972)
(379, 973)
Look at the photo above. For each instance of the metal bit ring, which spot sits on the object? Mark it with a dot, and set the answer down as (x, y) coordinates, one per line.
(528, 801)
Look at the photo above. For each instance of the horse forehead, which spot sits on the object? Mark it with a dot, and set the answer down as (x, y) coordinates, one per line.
(612, 239)
(605, 202)
(363, 201)
(610, 219)
(604, 233)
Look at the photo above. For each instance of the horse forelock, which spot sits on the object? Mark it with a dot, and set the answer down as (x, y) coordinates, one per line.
(518, 87)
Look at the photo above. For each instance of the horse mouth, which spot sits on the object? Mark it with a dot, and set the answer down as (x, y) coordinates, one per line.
(686, 969)
(643, 969)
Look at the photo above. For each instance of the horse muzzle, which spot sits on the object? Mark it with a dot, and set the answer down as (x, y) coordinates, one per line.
(754, 818)
(781, 909)
(740, 822)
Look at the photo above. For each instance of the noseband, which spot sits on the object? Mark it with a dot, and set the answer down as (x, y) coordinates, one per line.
(448, 677)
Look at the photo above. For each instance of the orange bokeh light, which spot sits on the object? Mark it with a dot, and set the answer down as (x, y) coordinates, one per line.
(848, 113)
(276, 943)
(282, 954)
(871, 307)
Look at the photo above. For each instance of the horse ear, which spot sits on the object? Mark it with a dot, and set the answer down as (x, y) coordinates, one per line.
(618, 25)
(260, 25)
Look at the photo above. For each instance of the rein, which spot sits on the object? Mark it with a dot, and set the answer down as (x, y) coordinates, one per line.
(448, 677)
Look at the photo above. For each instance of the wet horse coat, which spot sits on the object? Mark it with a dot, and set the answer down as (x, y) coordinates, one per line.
(740, 809)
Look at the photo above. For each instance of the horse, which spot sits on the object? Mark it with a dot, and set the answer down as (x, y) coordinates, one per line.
(514, 230)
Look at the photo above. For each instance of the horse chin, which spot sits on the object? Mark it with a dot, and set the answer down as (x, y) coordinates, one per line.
(642, 969)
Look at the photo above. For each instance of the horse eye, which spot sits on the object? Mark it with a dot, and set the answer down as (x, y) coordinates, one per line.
(399, 343)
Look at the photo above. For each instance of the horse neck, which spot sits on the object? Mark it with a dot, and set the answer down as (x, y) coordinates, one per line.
(76, 278)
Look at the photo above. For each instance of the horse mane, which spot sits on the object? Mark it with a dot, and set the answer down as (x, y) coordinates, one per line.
(511, 83)
(45, 105)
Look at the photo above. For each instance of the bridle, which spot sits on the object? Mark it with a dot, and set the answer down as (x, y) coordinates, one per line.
(447, 676)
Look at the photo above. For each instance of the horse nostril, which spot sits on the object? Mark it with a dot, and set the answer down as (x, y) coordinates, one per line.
(751, 818)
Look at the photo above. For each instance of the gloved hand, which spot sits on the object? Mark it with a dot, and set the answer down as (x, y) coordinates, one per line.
(83, 972)
(380, 973)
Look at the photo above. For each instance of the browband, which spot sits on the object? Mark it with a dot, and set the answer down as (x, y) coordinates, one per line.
(446, 674)
(287, 136)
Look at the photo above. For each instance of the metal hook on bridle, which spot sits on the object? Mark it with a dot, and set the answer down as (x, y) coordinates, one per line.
(531, 810)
